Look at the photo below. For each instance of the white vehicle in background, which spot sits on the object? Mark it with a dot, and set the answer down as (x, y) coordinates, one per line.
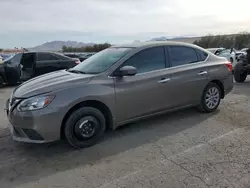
(215, 50)
(227, 53)
(244, 50)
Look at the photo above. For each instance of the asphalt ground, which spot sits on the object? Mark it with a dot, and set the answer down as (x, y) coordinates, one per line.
(180, 149)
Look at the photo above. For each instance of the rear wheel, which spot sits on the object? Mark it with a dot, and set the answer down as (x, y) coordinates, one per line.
(1, 81)
(85, 127)
(210, 99)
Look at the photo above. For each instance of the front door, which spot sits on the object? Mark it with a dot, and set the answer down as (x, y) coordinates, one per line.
(189, 74)
(12, 69)
(145, 92)
(27, 65)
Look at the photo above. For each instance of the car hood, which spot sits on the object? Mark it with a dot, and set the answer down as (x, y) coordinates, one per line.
(50, 82)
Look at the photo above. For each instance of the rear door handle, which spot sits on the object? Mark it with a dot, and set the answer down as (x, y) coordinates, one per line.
(202, 73)
(164, 80)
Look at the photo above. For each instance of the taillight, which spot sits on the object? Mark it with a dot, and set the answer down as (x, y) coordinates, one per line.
(229, 66)
(77, 61)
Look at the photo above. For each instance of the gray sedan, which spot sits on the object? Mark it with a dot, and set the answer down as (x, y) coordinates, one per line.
(116, 86)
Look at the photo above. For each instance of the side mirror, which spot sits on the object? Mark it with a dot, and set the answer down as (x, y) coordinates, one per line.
(126, 71)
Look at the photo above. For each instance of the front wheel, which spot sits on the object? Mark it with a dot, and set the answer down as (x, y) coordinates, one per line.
(85, 127)
(210, 99)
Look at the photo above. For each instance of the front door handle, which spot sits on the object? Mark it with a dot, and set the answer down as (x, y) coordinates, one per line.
(164, 80)
(202, 73)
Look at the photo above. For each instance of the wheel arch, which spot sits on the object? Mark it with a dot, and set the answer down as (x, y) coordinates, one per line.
(220, 84)
(89, 103)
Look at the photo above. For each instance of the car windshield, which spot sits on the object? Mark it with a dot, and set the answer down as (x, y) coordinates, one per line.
(8, 58)
(100, 61)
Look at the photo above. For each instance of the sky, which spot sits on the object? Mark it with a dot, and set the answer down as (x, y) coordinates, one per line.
(27, 23)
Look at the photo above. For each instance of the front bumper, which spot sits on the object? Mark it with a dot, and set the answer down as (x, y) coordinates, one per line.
(39, 126)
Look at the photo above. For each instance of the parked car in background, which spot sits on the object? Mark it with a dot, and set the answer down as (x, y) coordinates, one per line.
(6, 56)
(242, 69)
(71, 55)
(227, 53)
(215, 50)
(86, 56)
(238, 54)
(77, 60)
(1, 59)
(24, 66)
(80, 56)
(118, 85)
(244, 50)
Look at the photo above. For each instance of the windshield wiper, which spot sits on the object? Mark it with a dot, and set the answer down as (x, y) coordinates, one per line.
(76, 71)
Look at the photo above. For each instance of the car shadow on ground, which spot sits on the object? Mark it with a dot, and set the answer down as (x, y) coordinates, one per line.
(242, 88)
(30, 162)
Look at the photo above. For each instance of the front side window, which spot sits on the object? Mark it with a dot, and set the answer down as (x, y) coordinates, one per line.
(147, 60)
(181, 55)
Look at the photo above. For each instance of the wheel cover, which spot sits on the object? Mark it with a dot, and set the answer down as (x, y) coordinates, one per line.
(212, 97)
(86, 128)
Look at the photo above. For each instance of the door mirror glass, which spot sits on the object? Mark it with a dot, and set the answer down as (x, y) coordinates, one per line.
(126, 71)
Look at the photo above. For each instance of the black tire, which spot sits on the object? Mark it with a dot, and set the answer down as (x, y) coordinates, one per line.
(1, 81)
(74, 127)
(240, 74)
(203, 107)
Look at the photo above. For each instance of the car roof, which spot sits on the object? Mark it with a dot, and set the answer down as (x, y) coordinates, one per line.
(156, 43)
(214, 48)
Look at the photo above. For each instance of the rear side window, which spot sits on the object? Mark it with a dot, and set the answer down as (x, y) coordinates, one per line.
(147, 60)
(46, 57)
(182, 55)
(202, 55)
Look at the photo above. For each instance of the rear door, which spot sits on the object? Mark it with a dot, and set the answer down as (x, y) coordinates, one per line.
(65, 62)
(189, 74)
(28, 62)
(46, 62)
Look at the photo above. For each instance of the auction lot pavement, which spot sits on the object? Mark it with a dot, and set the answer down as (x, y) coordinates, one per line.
(180, 149)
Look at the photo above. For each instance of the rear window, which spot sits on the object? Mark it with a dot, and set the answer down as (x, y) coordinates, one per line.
(46, 57)
(202, 55)
(182, 55)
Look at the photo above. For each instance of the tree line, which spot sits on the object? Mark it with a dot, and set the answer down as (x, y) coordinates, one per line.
(237, 41)
(94, 48)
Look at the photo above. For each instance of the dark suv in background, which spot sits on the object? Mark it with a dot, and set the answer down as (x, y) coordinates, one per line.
(24, 66)
(242, 68)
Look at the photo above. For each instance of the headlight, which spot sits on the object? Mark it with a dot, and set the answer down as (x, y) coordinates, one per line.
(35, 103)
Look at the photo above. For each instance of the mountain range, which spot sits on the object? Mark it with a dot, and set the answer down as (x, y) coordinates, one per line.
(57, 45)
